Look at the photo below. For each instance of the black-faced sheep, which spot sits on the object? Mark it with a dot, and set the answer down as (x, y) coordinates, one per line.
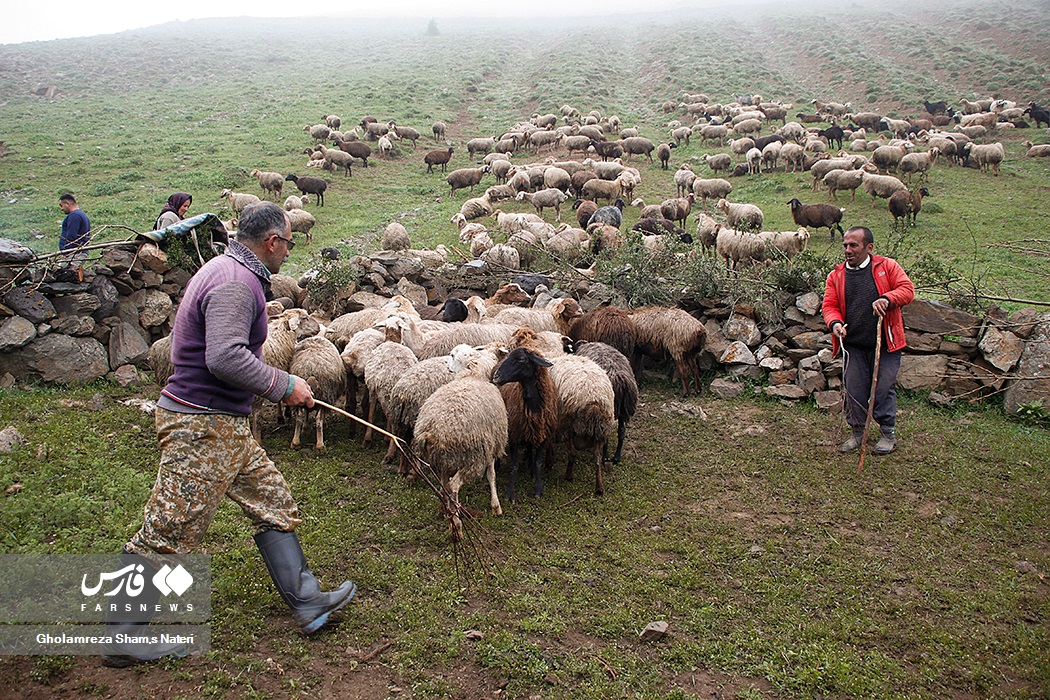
(663, 153)
(531, 400)
(310, 185)
(817, 216)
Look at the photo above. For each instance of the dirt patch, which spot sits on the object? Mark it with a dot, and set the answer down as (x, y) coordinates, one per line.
(701, 684)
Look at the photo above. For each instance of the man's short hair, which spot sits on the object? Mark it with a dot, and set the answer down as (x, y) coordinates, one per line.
(869, 237)
(259, 221)
(68, 198)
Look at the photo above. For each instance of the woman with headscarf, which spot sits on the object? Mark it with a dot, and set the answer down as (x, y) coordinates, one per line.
(174, 210)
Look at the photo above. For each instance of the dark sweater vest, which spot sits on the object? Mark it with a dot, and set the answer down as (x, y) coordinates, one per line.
(861, 322)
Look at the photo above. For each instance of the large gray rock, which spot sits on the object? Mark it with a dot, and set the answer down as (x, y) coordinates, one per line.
(726, 389)
(15, 332)
(811, 381)
(29, 304)
(922, 371)
(412, 291)
(14, 252)
(1001, 348)
(1035, 368)
(153, 305)
(73, 325)
(809, 303)
(108, 297)
(1023, 321)
(742, 328)
(737, 353)
(126, 346)
(59, 359)
(786, 391)
(76, 304)
(937, 317)
(715, 343)
(812, 340)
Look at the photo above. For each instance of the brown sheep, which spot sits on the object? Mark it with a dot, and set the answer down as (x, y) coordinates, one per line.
(670, 331)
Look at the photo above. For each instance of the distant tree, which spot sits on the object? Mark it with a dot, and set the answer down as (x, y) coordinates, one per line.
(432, 29)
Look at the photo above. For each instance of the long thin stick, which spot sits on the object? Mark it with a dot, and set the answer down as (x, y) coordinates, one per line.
(871, 397)
(362, 421)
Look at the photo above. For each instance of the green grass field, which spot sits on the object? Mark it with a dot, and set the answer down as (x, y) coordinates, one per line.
(781, 571)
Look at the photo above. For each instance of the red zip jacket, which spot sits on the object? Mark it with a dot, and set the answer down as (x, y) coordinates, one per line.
(893, 284)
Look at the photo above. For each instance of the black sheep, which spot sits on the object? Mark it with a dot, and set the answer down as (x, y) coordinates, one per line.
(607, 149)
(662, 227)
(938, 107)
(1039, 114)
(833, 133)
(817, 216)
(310, 185)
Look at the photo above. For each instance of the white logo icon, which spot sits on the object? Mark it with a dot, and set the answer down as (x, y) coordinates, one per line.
(169, 580)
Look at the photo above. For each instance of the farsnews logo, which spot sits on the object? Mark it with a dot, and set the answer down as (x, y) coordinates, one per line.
(130, 578)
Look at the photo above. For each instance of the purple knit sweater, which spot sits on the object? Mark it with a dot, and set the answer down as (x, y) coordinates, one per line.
(216, 345)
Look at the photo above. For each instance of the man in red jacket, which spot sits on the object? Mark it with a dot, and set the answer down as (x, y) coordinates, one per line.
(858, 292)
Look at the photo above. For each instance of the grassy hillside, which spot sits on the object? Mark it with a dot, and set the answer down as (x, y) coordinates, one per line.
(195, 106)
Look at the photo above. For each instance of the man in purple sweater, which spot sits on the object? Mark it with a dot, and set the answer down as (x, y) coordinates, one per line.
(207, 448)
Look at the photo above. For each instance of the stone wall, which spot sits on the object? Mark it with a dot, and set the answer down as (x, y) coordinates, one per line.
(77, 331)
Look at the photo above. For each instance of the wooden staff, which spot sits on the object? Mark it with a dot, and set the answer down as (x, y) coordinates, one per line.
(871, 396)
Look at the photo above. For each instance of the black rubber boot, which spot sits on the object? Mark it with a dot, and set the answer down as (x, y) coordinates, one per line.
(296, 583)
(135, 623)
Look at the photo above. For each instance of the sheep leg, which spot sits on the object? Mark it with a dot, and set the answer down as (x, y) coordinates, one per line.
(490, 473)
(599, 487)
(683, 375)
(515, 457)
(319, 423)
(372, 402)
(572, 458)
(300, 421)
(389, 456)
(621, 431)
(535, 456)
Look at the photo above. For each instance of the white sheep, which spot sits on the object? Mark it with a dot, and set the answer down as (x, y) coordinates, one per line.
(742, 216)
(296, 202)
(302, 221)
(586, 410)
(545, 199)
(712, 188)
(1041, 150)
(269, 181)
(787, 243)
(318, 132)
(317, 361)
(882, 186)
(986, 155)
(684, 178)
(840, 179)
(920, 163)
(502, 255)
(238, 200)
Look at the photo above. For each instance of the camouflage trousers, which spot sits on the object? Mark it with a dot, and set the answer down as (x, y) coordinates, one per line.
(204, 458)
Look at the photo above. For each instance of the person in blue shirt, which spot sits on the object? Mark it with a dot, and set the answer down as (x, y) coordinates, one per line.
(76, 227)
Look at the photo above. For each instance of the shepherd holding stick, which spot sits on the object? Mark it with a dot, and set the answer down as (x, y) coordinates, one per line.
(863, 297)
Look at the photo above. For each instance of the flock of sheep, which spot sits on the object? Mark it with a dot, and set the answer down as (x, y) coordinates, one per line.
(521, 370)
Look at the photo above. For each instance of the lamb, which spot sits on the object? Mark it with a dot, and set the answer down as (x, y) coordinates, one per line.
(906, 205)
(714, 188)
(882, 186)
(531, 400)
(294, 202)
(754, 161)
(1036, 151)
(238, 200)
(986, 155)
(317, 361)
(786, 243)
(817, 215)
(670, 331)
(302, 221)
(310, 185)
(318, 132)
(586, 410)
(625, 387)
(465, 177)
(438, 158)
(742, 216)
(461, 431)
(395, 237)
(271, 182)
(385, 146)
(545, 199)
(719, 161)
(684, 178)
(663, 153)
(677, 209)
(920, 163)
(839, 179)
